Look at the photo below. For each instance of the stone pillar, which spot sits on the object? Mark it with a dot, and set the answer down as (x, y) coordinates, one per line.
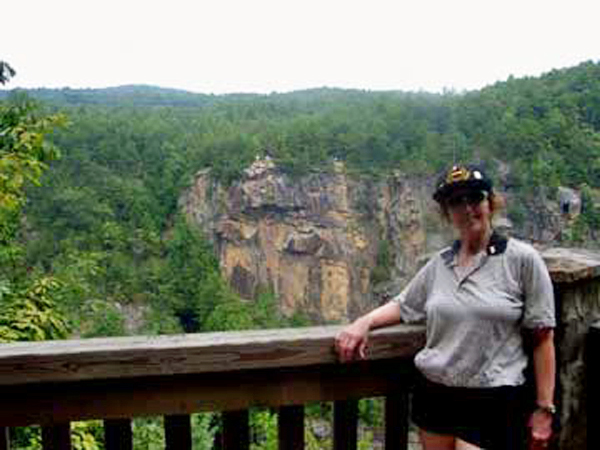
(593, 387)
(576, 277)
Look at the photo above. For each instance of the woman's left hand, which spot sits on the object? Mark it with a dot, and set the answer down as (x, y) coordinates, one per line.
(540, 429)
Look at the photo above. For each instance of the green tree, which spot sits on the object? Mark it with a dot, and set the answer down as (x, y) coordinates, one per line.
(28, 309)
(24, 155)
(6, 72)
(31, 314)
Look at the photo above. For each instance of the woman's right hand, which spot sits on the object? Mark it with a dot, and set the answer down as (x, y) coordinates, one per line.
(352, 340)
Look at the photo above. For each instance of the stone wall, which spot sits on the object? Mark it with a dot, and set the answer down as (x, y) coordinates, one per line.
(576, 277)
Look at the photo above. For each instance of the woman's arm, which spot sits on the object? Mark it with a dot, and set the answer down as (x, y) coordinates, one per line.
(544, 366)
(352, 340)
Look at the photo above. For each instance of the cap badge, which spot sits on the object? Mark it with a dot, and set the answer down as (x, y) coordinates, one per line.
(458, 173)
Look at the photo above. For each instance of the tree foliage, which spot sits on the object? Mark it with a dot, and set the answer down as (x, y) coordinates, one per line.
(29, 310)
(31, 314)
(96, 246)
(24, 154)
(105, 222)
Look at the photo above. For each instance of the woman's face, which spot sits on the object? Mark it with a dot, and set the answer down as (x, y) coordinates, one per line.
(469, 210)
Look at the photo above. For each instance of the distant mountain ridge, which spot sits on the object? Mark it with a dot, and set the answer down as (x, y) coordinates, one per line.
(132, 95)
(143, 95)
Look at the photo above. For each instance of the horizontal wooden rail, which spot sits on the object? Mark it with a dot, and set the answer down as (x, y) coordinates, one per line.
(52, 383)
(134, 357)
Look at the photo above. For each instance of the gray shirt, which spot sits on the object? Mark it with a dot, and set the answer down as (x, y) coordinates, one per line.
(475, 315)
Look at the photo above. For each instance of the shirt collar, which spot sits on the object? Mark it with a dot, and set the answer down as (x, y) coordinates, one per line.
(496, 246)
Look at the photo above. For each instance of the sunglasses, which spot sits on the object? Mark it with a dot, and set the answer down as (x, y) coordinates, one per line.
(471, 198)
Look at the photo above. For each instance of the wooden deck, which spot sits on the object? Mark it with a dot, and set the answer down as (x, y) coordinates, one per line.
(54, 383)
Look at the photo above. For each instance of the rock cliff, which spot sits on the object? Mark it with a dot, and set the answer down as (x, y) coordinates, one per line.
(324, 243)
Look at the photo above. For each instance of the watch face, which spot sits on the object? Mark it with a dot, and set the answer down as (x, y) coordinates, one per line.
(550, 409)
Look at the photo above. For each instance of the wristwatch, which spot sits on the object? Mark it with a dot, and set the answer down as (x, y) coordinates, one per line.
(550, 409)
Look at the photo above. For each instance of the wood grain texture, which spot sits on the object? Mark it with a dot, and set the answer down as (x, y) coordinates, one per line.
(133, 357)
(186, 394)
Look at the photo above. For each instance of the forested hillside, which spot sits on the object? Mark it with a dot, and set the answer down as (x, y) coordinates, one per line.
(104, 226)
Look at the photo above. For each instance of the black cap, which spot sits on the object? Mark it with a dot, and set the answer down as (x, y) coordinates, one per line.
(461, 176)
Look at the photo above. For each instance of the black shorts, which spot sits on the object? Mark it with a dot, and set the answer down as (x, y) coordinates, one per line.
(492, 418)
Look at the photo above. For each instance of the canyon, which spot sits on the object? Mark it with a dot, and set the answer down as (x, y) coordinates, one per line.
(334, 244)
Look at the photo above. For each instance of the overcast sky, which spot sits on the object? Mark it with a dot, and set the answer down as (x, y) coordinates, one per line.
(224, 46)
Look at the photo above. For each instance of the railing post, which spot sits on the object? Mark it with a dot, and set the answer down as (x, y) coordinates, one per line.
(118, 434)
(178, 432)
(56, 437)
(4, 439)
(593, 390)
(396, 421)
(345, 421)
(236, 430)
(291, 427)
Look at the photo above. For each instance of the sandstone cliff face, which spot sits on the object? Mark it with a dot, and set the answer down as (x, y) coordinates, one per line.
(315, 240)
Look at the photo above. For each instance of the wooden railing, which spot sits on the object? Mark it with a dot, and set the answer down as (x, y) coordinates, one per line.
(54, 383)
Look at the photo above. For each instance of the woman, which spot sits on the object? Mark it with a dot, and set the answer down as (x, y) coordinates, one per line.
(482, 299)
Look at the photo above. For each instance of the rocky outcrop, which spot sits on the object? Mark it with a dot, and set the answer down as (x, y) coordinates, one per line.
(321, 241)
(313, 240)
